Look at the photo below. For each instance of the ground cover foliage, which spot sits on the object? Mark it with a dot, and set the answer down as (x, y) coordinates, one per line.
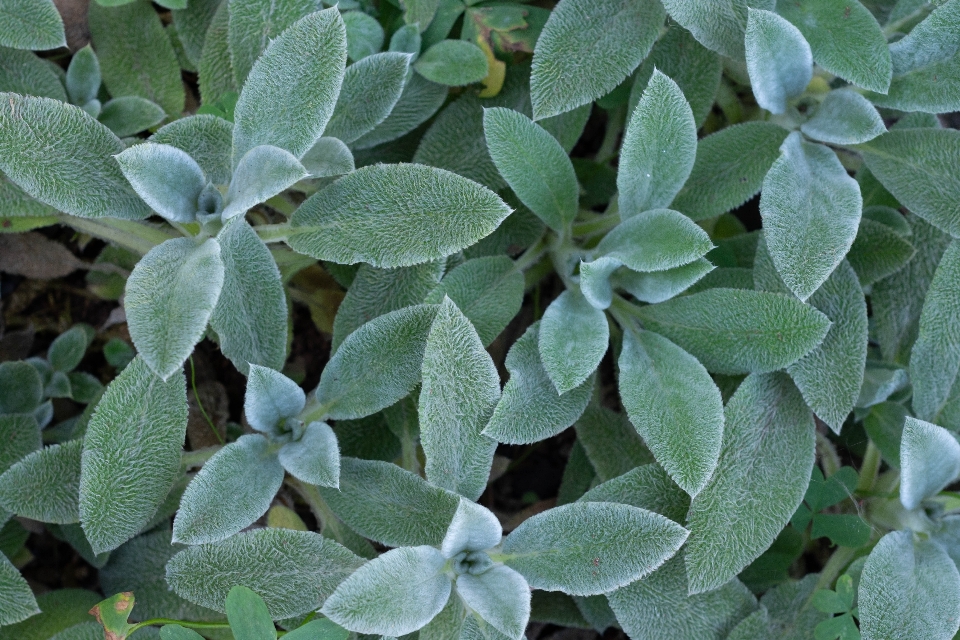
(701, 256)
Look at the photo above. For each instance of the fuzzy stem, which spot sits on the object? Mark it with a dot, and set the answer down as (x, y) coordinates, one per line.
(133, 236)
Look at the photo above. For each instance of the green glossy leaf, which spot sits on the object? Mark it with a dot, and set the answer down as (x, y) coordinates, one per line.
(292, 89)
(377, 365)
(500, 596)
(534, 165)
(128, 115)
(293, 571)
(364, 35)
(530, 409)
(845, 38)
(370, 91)
(261, 173)
(315, 457)
(207, 139)
(131, 454)
(31, 24)
(232, 490)
(844, 117)
(910, 589)
(248, 615)
(21, 387)
(254, 24)
(133, 32)
(729, 168)
(717, 24)
(395, 216)
(929, 461)
(40, 138)
(674, 405)
(811, 212)
(44, 485)
(655, 241)
(658, 148)
(460, 389)
(878, 252)
(588, 548)
(170, 296)
(765, 461)
(167, 179)
(27, 74)
(587, 48)
(573, 340)
(778, 60)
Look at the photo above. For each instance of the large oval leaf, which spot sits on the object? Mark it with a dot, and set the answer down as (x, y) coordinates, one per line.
(44, 485)
(31, 24)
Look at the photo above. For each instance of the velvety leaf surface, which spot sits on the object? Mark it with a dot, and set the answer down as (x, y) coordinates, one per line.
(271, 397)
(656, 241)
(500, 596)
(647, 487)
(453, 63)
(25, 73)
(315, 457)
(717, 24)
(262, 172)
(20, 435)
(206, 138)
(129, 115)
(254, 24)
(30, 24)
(778, 60)
(370, 90)
(929, 461)
(328, 157)
(878, 251)
(420, 100)
(844, 117)
(21, 388)
(573, 339)
(18, 600)
(167, 179)
(473, 528)
(611, 444)
(45, 484)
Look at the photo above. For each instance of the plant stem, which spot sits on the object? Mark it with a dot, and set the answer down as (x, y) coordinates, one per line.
(197, 458)
(183, 623)
(137, 237)
(273, 232)
(532, 255)
(616, 118)
(840, 559)
(196, 396)
(869, 469)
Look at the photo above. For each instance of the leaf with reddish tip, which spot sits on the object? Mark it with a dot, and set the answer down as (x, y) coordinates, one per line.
(112, 613)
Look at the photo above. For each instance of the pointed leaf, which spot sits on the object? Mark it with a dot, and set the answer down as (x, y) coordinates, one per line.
(170, 296)
(658, 148)
(370, 90)
(588, 548)
(844, 117)
(254, 24)
(656, 241)
(717, 24)
(328, 157)
(778, 60)
(167, 179)
(473, 528)
(929, 461)
(262, 173)
(534, 165)
(31, 24)
(248, 615)
(675, 406)
(587, 48)
(407, 584)
(292, 89)
(129, 115)
(395, 216)
(40, 138)
(293, 571)
(657, 286)
(83, 76)
(500, 596)
(573, 340)
(271, 398)
(45, 484)
(131, 454)
(206, 138)
(765, 461)
(811, 213)
(315, 457)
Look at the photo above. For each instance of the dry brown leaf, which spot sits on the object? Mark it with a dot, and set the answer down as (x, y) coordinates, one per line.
(36, 256)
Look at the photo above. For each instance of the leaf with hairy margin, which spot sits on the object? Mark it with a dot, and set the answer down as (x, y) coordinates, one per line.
(811, 213)
(674, 405)
(327, 158)
(460, 389)
(254, 24)
(418, 102)
(41, 138)
(214, 69)
(15, 594)
(657, 286)
(315, 457)
(647, 487)
(878, 251)
(929, 461)
(910, 588)
(844, 117)
(778, 59)
(589, 548)
(407, 584)
(587, 48)
(611, 443)
(765, 463)
(395, 216)
(167, 179)
(370, 90)
(716, 24)
(129, 115)
(729, 168)
(271, 397)
(391, 505)
(658, 606)
(206, 138)
(261, 173)
(31, 24)
(658, 151)
(473, 528)
(131, 454)
(250, 317)
(500, 596)
(377, 364)
(27, 74)
(232, 490)
(735, 331)
(573, 339)
(657, 240)
(292, 89)
(293, 571)
(529, 409)
(45, 484)
(170, 296)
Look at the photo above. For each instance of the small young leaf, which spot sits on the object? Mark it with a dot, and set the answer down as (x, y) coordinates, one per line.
(248, 615)
(167, 179)
(656, 241)
(573, 340)
(778, 60)
(377, 364)
(844, 117)
(534, 165)
(657, 286)
(729, 168)
(131, 454)
(929, 461)
(31, 24)
(169, 298)
(293, 571)
(530, 409)
(250, 318)
(909, 589)
(473, 528)
(674, 405)
(40, 138)
(292, 88)
(327, 158)
(390, 505)
(271, 397)
(736, 331)
(878, 252)
(395, 216)
(811, 212)
(44, 485)
(128, 115)
(262, 173)
(371, 89)
(588, 548)
(460, 389)
(845, 38)
(21, 387)
(658, 148)
(500, 596)
(83, 76)
(587, 48)
(407, 584)
(315, 457)
(765, 461)
(206, 139)
(595, 284)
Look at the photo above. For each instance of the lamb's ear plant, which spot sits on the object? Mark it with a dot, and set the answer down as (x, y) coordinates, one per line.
(789, 390)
